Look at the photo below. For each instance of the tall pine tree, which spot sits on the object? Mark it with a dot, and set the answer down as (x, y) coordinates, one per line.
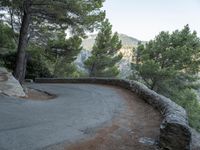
(105, 53)
(63, 53)
(75, 15)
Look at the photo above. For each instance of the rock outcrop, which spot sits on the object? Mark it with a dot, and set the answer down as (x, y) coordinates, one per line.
(9, 85)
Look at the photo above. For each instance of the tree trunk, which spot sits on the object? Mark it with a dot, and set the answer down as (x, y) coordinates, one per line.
(92, 71)
(20, 68)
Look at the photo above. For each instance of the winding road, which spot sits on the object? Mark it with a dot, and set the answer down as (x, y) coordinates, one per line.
(81, 117)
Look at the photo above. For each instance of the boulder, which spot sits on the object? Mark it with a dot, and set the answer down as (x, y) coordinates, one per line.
(9, 85)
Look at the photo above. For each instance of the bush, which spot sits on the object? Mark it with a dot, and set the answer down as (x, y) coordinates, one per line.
(36, 67)
(188, 100)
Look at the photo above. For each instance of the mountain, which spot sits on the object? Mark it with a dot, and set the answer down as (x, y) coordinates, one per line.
(127, 41)
(89, 42)
(127, 51)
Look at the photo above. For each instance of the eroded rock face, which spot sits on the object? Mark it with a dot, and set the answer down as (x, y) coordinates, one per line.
(9, 85)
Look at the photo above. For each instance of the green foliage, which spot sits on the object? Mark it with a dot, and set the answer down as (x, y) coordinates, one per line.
(37, 20)
(59, 54)
(63, 52)
(62, 47)
(8, 60)
(55, 59)
(169, 55)
(64, 70)
(188, 100)
(6, 38)
(169, 64)
(105, 53)
(37, 66)
(77, 16)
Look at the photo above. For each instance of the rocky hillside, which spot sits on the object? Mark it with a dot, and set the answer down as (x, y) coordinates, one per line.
(127, 50)
(127, 41)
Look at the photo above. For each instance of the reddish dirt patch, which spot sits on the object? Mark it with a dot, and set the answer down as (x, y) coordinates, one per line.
(138, 121)
(34, 94)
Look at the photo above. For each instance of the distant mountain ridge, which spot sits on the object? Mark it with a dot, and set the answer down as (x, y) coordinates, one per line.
(127, 41)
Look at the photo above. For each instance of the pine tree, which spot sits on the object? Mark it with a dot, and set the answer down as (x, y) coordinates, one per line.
(29, 15)
(169, 56)
(105, 53)
(169, 65)
(63, 53)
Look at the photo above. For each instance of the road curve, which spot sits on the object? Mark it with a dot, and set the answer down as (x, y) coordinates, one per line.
(82, 116)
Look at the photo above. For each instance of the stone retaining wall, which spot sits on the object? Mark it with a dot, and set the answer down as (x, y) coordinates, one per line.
(174, 130)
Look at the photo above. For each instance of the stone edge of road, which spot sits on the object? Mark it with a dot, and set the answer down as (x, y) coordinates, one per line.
(175, 133)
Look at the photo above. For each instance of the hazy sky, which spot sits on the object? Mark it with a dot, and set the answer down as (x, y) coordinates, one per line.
(143, 19)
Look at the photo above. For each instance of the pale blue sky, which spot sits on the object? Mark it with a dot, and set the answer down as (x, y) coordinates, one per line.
(143, 19)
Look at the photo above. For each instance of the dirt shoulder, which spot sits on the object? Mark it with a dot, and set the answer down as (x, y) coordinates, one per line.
(135, 128)
(38, 95)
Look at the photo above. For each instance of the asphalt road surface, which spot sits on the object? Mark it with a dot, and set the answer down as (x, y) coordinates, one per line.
(77, 112)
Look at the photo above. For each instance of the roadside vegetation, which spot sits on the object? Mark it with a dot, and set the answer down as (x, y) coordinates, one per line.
(169, 65)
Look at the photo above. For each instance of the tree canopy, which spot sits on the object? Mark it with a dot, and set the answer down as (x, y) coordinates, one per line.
(169, 65)
(169, 56)
(105, 53)
(63, 52)
(79, 15)
(28, 17)
(6, 38)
